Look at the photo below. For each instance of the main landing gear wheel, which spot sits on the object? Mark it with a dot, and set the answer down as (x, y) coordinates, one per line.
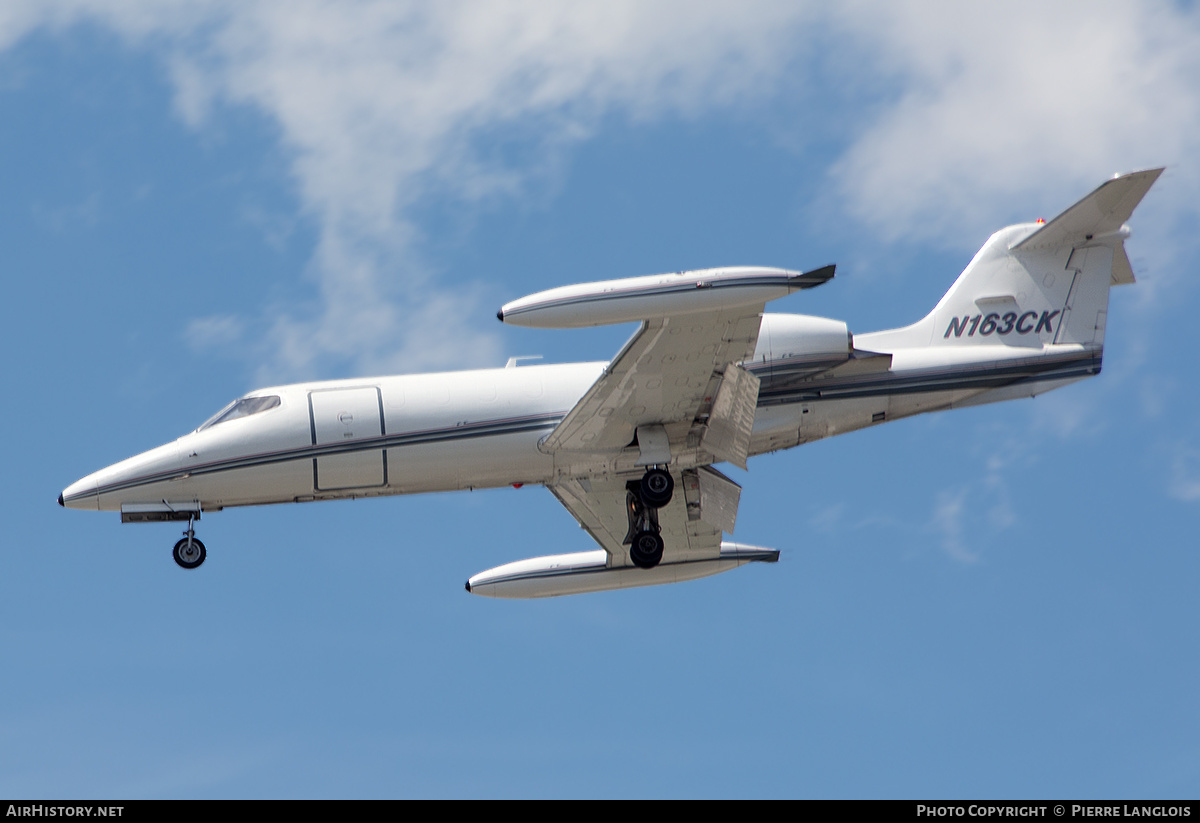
(646, 550)
(189, 553)
(657, 487)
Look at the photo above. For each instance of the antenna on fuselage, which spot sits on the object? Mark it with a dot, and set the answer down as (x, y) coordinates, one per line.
(514, 361)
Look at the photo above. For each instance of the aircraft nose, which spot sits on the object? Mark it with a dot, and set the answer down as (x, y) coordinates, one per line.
(138, 479)
(80, 495)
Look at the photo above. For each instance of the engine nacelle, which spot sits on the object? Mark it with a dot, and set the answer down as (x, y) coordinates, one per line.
(588, 572)
(803, 338)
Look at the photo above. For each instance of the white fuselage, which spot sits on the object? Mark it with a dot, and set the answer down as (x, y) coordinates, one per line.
(356, 438)
(628, 446)
(479, 429)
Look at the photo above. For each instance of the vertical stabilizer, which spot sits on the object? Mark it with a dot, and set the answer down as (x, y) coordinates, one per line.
(1037, 284)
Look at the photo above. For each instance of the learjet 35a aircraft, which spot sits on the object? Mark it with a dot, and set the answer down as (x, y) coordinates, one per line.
(628, 446)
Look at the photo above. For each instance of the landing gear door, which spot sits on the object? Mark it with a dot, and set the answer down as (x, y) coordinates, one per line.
(347, 429)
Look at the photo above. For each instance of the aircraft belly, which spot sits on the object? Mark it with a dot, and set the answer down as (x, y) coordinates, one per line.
(484, 462)
(281, 482)
(781, 427)
(906, 405)
(340, 472)
(1017, 391)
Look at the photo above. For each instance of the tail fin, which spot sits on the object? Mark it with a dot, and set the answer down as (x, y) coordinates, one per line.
(1038, 283)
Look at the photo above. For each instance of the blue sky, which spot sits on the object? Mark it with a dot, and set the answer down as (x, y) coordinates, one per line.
(202, 198)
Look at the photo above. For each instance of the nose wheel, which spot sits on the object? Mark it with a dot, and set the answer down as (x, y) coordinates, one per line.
(189, 552)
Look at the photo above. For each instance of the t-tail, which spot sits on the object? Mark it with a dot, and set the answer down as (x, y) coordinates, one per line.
(1037, 285)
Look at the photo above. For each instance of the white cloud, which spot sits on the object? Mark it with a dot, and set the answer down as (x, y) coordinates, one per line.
(1000, 511)
(381, 104)
(948, 521)
(1009, 107)
(970, 517)
(215, 332)
(957, 112)
(1185, 480)
(954, 509)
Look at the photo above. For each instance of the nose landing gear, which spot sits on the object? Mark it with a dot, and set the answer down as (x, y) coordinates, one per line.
(189, 552)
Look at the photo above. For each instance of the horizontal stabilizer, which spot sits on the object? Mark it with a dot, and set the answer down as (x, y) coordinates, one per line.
(1103, 211)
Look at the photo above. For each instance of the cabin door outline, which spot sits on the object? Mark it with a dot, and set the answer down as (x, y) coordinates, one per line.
(342, 423)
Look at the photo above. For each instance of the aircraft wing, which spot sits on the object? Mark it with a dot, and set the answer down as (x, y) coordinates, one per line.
(704, 505)
(675, 398)
(677, 376)
(674, 395)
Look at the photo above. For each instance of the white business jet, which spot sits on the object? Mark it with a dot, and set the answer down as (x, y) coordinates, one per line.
(628, 446)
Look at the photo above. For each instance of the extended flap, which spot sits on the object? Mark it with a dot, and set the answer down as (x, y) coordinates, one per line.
(712, 498)
(731, 422)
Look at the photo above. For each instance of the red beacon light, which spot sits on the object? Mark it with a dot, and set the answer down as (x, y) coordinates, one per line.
(1041, 221)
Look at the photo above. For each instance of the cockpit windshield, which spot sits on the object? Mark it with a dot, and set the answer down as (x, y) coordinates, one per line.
(242, 407)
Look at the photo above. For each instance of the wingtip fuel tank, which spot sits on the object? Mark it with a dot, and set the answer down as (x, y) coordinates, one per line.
(658, 295)
(582, 572)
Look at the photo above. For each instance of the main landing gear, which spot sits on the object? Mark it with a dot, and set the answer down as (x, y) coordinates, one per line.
(189, 552)
(657, 487)
(646, 550)
(643, 500)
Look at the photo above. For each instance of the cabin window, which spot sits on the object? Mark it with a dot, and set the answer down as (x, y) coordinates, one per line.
(242, 407)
